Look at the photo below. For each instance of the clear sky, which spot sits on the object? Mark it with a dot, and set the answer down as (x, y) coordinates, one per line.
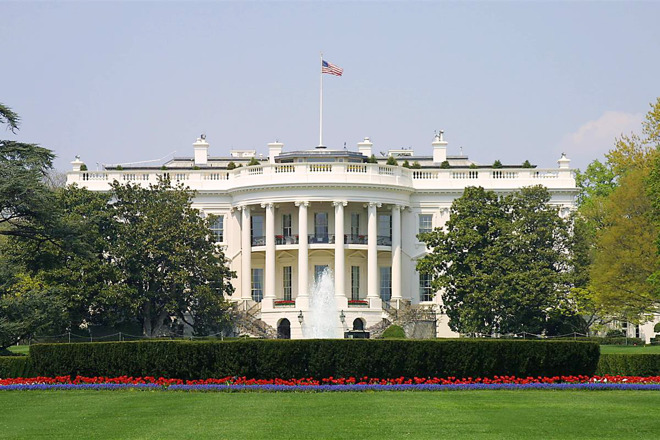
(117, 82)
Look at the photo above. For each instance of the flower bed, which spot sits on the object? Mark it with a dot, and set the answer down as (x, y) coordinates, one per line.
(358, 302)
(284, 303)
(334, 384)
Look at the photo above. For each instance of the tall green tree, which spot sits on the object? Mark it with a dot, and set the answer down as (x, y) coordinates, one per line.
(499, 262)
(168, 260)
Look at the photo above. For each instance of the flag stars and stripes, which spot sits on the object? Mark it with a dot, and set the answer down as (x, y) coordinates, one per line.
(330, 68)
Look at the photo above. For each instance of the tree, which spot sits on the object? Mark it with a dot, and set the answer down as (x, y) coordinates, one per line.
(167, 259)
(499, 262)
(391, 161)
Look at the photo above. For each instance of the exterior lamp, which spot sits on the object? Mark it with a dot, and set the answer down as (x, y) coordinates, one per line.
(342, 317)
(300, 317)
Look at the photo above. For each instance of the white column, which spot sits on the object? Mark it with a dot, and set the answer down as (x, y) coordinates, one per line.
(269, 281)
(372, 251)
(303, 249)
(396, 252)
(246, 255)
(340, 274)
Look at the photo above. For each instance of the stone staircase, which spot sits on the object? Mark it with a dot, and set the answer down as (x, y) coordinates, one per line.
(246, 322)
(407, 316)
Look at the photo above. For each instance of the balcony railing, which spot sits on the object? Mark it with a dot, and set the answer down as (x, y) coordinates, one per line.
(258, 241)
(286, 239)
(384, 240)
(355, 239)
(321, 238)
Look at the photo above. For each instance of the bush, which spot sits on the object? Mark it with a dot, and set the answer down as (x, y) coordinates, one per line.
(616, 340)
(616, 334)
(394, 332)
(656, 327)
(14, 366)
(445, 164)
(391, 161)
(629, 364)
(317, 358)
(497, 164)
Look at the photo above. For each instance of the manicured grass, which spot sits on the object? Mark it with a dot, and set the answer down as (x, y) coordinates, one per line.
(629, 349)
(369, 415)
(21, 349)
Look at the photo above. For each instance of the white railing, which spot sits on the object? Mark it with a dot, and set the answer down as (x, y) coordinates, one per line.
(263, 175)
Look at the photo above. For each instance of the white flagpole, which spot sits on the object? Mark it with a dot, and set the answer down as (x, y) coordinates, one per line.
(321, 106)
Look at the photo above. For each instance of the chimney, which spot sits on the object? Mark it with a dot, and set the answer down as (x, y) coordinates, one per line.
(201, 148)
(564, 162)
(439, 148)
(274, 149)
(77, 164)
(364, 147)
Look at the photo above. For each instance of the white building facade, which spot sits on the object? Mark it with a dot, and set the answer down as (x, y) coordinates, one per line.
(286, 218)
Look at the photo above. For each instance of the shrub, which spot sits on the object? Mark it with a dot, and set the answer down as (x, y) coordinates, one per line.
(253, 161)
(416, 165)
(391, 161)
(14, 366)
(445, 164)
(394, 332)
(406, 164)
(656, 327)
(497, 164)
(231, 165)
(616, 334)
(526, 164)
(372, 159)
(616, 340)
(83, 167)
(629, 364)
(317, 358)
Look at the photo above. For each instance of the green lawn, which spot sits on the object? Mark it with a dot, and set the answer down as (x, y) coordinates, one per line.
(22, 349)
(630, 349)
(370, 415)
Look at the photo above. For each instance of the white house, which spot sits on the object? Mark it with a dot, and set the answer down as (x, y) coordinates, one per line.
(283, 221)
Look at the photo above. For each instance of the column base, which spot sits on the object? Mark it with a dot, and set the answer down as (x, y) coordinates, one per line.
(375, 303)
(302, 302)
(267, 304)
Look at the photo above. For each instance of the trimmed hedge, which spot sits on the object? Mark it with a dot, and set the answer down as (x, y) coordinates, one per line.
(14, 366)
(317, 358)
(608, 340)
(638, 364)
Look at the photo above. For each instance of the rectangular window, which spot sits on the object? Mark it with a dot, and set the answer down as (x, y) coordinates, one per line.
(318, 271)
(321, 227)
(286, 282)
(385, 283)
(385, 225)
(257, 284)
(218, 228)
(355, 224)
(355, 282)
(425, 223)
(286, 225)
(257, 223)
(425, 290)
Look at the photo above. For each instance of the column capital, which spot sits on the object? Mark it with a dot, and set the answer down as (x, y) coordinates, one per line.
(376, 204)
(244, 207)
(268, 205)
(398, 206)
(339, 202)
(299, 203)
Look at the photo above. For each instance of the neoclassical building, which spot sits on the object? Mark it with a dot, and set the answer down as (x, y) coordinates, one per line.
(283, 219)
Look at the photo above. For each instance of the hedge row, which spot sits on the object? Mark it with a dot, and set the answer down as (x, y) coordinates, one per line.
(605, 340)
(14, 366)
(317, 358)
(629, 364)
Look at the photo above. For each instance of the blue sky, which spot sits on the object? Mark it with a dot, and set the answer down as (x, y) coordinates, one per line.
(126, 81)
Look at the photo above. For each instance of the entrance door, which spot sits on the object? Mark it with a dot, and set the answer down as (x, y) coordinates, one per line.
(284, 329)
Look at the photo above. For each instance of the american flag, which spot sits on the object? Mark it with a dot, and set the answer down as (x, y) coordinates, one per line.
(330, 68)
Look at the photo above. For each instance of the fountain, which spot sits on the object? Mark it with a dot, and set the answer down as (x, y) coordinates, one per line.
(321, 321)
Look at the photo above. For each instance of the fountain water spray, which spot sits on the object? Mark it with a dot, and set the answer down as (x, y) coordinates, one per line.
(322, 320)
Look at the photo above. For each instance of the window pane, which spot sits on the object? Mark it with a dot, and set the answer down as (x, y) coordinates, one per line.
(385, 225)
(286, 282)
(321, 224)
(425, 290)
(218, 228)
(355, 282)
(286, 225)
(425, 223)
(257, 284)
(355, 223)
(385, 283)
(257, 225)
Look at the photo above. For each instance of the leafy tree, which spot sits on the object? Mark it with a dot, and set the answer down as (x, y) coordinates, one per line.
(499, 262)
(167, 259)
(445, 164)
(497, 164)
(416, 165)
(391, 161)
(253, 161)
(526, 164)
(372, 159)
(231, 165)
(406, 164)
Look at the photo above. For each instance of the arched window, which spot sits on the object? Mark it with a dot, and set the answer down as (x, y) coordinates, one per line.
(358, 324)
(284, 329)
